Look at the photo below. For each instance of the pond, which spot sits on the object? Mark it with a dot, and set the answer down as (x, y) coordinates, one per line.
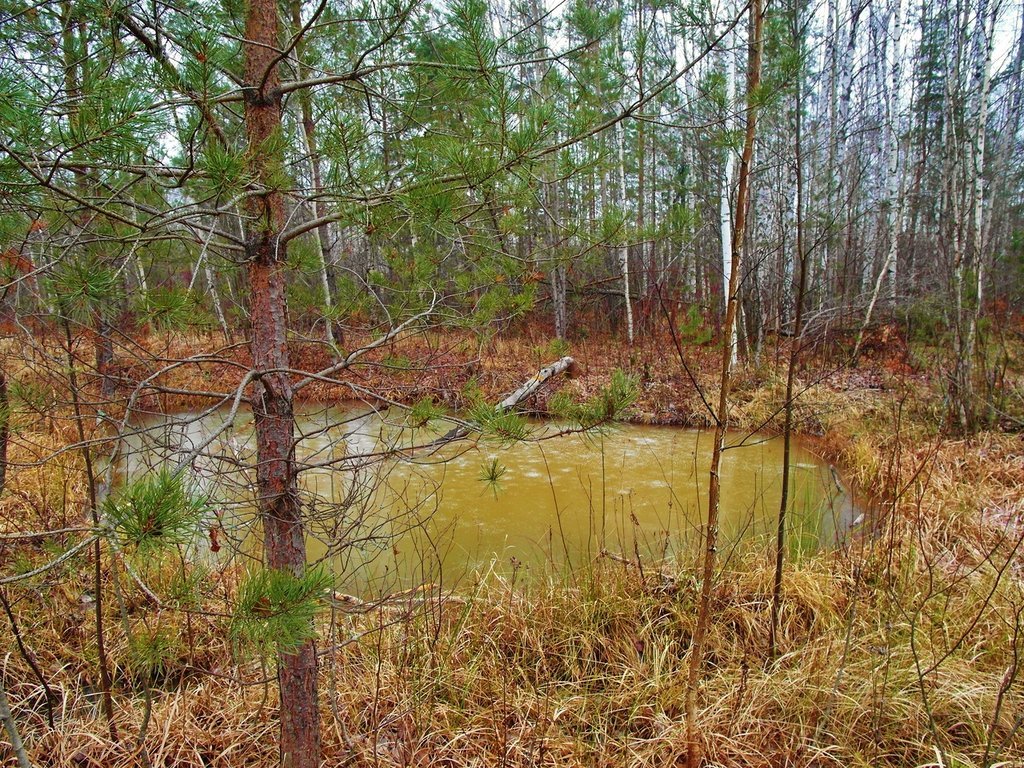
(386, 517)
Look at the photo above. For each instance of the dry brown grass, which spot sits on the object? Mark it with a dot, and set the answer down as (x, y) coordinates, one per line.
(585, 674)
(901, 642)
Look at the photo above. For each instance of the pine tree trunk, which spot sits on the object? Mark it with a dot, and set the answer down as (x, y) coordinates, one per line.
(276, 476)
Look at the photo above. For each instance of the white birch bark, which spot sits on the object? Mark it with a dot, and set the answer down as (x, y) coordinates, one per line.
(623, 249)
(895, 199)
(218, 308)
(895, 180)
(725, 189)
(819, 278)
(983, 44)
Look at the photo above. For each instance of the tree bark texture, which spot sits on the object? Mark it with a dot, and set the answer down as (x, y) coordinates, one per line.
(276, 473)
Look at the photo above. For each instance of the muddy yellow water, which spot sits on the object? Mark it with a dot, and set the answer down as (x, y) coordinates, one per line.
(383, 520)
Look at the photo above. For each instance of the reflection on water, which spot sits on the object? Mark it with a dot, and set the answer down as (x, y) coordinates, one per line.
(375, 516)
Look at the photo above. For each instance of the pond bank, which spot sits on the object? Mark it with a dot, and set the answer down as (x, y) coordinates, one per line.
(890, 648)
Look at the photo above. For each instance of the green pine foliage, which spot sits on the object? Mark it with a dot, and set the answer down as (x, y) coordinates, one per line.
(114, 122)
(491, 474)
(86, 288)
(275, 609)
(151, 649)
(223, 172)
(423, 412)
(693, 329)
(154, 513)
(185, 586)
(606, 406)
(503, 426)
(28, 401)
(171, 309)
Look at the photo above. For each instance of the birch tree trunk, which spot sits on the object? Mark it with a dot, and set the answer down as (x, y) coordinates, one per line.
(624, 249)
(218, 307)
(820, 280)
(985, 32)
(971, 250)
(725, 192)
(559, 271)
(842, 129)
(895, 197)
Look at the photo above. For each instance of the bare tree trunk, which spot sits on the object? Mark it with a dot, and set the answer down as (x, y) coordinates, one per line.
(559, 289)
(690, 270)
(5, 709)
(12, 730)
(218, 307)
(896, 199)
(643, 265)
(756, 46)
(276, 475)
(94, 513)
(820, 281)
(896, 178)
(846, 177)
(75, 49)
(973, 250)
(977, 144)
(794, 352)
(559, 270)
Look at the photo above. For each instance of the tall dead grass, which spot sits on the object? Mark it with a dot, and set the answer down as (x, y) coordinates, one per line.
(900, 648)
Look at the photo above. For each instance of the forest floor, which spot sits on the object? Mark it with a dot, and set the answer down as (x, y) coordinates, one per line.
(900, 648)
(447, 368)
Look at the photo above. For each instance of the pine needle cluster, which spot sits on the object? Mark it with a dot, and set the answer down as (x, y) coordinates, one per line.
(275, 609)
(606, 406)
(155, 512)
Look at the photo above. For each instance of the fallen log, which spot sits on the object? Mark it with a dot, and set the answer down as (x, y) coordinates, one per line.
(565, 365)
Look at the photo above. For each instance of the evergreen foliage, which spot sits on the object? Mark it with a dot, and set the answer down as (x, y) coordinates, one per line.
(274, 609)
(608, 405)
(156, 512)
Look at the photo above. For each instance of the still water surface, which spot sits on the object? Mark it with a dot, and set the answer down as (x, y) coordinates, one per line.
(386, 521)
